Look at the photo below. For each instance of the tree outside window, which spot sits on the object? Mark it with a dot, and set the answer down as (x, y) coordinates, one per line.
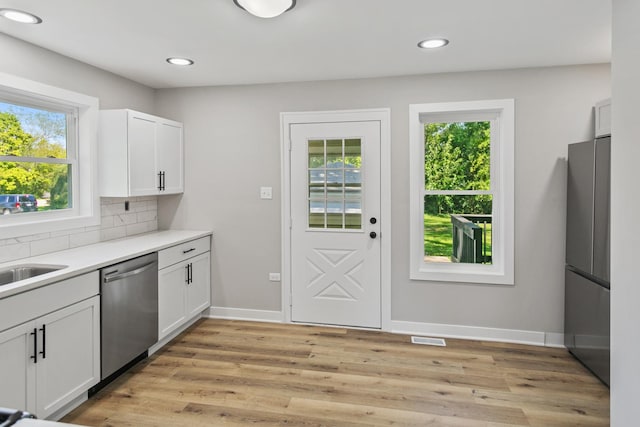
(457, 182)
(34, 158)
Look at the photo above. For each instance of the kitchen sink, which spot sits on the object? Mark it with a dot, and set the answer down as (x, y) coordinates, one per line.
(26, 271)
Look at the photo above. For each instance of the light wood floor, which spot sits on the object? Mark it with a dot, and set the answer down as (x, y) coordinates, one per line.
(235, 373)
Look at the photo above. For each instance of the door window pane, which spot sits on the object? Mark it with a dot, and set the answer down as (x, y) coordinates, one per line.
(316, 154)
(334, 153)
(335, 184)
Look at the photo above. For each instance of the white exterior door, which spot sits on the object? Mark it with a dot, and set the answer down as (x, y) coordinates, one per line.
(335, 223)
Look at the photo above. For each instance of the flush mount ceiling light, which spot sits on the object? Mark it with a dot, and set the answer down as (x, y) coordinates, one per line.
(20, 16)
(180, 61)
(433, 43)
(265, 8)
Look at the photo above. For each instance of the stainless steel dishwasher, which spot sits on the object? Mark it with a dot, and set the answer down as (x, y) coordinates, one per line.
(129, 311)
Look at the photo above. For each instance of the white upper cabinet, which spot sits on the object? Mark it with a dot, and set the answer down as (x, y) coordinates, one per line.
(140, 154)
(169, 155)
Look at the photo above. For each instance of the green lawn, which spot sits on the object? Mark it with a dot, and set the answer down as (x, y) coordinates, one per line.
(437, 235)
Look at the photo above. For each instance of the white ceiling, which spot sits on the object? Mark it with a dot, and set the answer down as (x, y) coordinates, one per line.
(317, 40)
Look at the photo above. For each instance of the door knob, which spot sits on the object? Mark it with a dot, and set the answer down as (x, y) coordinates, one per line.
(373, 220)
(373, 235)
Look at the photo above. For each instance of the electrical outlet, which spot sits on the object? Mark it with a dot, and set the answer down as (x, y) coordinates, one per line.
(266, 193)
(274, 277)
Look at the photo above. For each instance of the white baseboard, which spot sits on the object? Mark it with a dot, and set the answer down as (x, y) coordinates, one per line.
(515, 336)
(554, 339)
(246, 314)
(547, 339)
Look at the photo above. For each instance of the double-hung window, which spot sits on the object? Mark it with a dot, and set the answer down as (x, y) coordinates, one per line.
(47, 158)
(462, 221)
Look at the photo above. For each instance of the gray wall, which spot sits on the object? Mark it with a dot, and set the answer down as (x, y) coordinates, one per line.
(31, 62)
(625, 205)
(233, 147)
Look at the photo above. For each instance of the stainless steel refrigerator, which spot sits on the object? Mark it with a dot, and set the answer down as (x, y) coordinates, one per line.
(587, 288)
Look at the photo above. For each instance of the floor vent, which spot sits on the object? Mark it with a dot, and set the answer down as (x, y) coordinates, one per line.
(429, 341)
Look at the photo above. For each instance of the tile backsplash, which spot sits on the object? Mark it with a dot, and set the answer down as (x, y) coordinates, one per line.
(116, 222)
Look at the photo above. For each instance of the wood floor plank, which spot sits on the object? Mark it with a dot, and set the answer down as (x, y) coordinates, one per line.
(235, 373)
(336, 412)
(546, 403)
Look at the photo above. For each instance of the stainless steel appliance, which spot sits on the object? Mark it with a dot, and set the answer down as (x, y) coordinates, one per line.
(587, 287)
(129, 311)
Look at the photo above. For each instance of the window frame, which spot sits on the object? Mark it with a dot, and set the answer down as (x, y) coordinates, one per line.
(82, 155)
(501, 115)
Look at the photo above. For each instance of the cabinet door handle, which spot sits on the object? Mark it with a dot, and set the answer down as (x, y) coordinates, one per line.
(44, 343)
(160, 181)
(188, 250)
(188, 266)
(186, 272)
(35, 345)
(190, 272)
(163, 180)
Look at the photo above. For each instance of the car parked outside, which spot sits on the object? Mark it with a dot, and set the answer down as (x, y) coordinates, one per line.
(17, 203)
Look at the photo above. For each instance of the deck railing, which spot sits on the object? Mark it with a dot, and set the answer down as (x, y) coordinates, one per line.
(471, 238)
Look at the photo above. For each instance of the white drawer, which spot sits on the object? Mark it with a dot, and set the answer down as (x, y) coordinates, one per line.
(175, 254)
(37, 302)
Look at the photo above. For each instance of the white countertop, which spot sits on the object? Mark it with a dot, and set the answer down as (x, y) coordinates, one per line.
(89, 258)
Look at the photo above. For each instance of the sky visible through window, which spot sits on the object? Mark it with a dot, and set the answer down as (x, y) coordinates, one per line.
(39, 122)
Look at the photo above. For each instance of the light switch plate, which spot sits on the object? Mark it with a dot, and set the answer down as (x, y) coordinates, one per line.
(266, 193)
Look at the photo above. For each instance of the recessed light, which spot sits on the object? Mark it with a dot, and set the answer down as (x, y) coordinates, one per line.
(433, 43)
(20, 16)
(180, 61)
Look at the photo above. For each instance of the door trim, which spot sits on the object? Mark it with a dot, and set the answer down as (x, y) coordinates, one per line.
(382, 115)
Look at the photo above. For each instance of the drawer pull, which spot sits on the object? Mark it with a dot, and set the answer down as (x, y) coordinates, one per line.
(188, 250)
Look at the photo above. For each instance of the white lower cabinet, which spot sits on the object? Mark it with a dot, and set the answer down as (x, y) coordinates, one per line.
(49, 361)
(171, 298)
(199, 289)
(184, 285)
(17, 369)
(70, 361)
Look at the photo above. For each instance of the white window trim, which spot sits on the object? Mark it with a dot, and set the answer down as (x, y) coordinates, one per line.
(86, 202)
(501, 271)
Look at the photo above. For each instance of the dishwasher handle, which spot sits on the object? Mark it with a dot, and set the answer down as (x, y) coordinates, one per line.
(113, 276)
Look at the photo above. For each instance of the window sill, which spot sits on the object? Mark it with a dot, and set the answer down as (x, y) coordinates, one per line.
(462, 273)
